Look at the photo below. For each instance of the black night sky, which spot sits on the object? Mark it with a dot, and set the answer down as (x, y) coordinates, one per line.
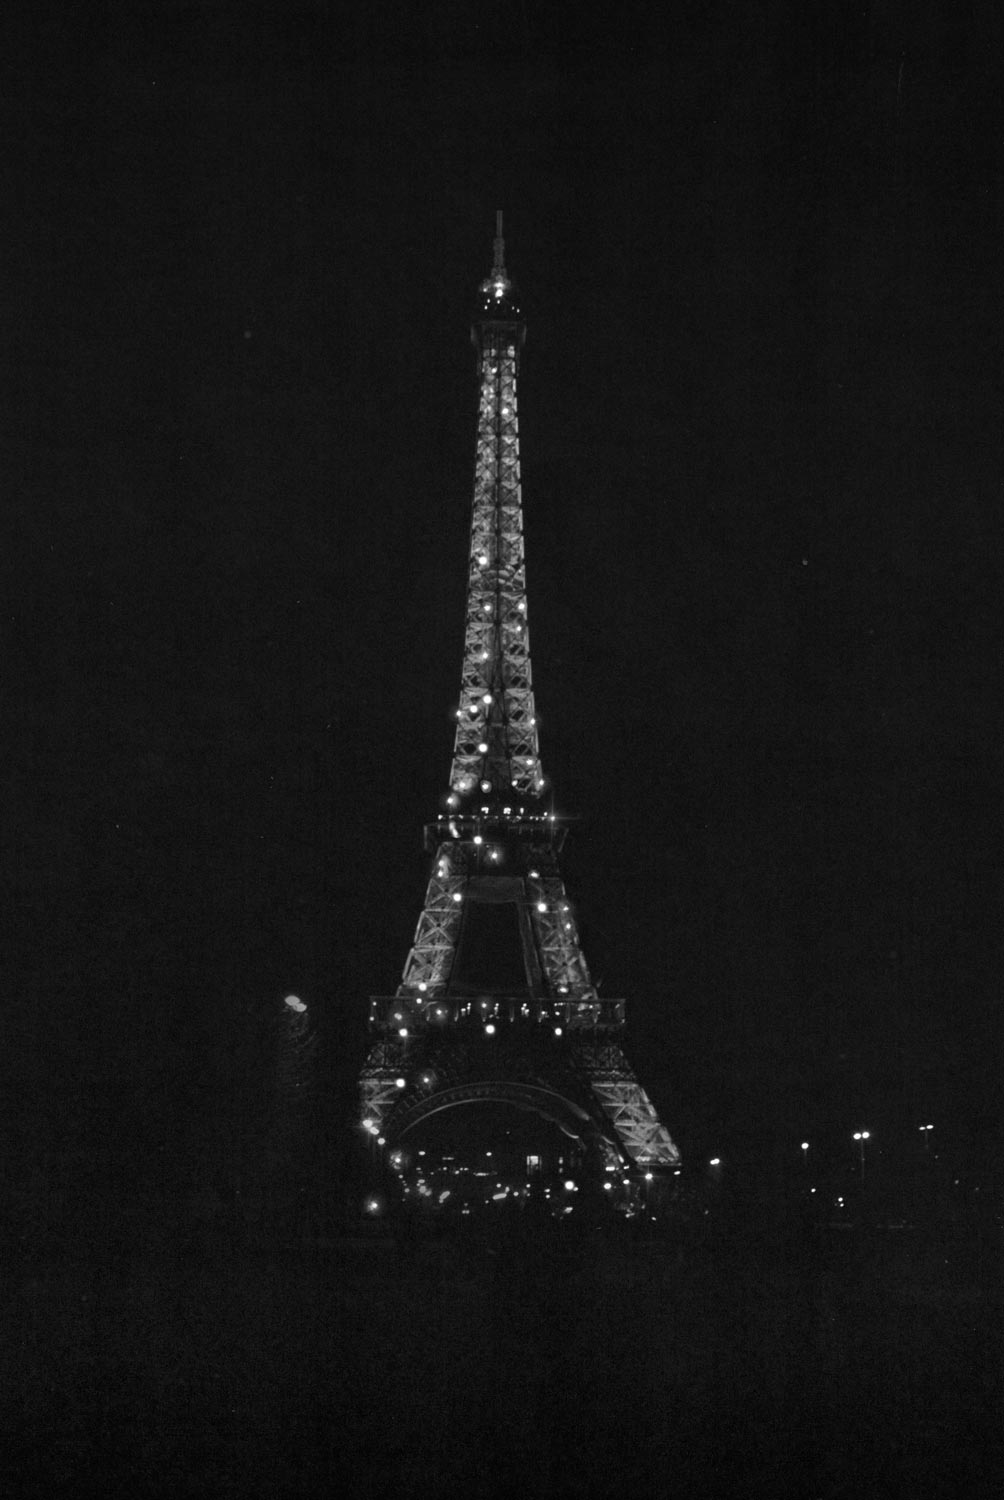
(760, 403)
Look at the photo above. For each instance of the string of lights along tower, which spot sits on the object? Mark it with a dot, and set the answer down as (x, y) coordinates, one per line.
(496, 1073)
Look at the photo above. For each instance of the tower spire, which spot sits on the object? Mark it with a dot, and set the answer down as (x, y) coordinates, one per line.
(498, 267)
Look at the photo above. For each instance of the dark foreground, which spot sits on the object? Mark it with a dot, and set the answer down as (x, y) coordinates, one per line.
(862, 1365)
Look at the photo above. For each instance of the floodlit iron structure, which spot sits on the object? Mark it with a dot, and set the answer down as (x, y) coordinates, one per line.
(496, 1002)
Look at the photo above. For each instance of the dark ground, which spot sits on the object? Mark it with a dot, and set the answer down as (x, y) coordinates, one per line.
(863, 1364)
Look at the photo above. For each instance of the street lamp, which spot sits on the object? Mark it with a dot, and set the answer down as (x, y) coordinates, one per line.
(861, 1136)
(925, 1131)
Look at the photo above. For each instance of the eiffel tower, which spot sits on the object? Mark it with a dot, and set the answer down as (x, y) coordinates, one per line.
(496, 1004)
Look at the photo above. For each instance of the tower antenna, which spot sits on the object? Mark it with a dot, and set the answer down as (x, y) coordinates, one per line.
(498, 269)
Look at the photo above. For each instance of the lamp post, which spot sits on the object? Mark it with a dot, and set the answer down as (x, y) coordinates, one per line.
(925, 1131)
(861, 1136)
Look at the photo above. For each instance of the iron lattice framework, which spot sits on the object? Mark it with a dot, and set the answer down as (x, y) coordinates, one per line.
(452, 1033)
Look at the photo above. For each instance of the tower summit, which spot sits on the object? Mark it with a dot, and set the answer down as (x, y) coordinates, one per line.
(496, 1003)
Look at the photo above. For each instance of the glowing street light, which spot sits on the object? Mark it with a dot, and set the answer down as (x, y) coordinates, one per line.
(295, 1004)
(925, 1131)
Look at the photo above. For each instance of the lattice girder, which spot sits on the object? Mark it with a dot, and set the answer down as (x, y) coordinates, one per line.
(626, 1104)
(378, 1085)
(429, 963)
(562, 959)
(496, 746)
